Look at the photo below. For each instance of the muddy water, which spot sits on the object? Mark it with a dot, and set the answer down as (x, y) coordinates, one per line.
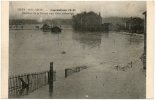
(33, 50)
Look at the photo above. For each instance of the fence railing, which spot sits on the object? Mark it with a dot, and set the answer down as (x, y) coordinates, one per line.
(70, 71)
(23, 84)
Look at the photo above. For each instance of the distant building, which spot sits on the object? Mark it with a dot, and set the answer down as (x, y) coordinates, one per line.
(87, 21)
(25, 27)
(105, 26)
(135, 25)
(46, 27)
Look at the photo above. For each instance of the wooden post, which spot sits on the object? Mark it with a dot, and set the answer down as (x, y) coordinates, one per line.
(28, 83)
(16, 86)
(14, 89)
(65, 73)
(10, 85)
(131, 64)
(35, 80)
(45, 78)
(51, 77)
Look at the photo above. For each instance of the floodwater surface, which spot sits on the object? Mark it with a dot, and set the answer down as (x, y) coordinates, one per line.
(33, 50)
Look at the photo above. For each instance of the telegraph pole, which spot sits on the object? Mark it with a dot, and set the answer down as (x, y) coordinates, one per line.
(145, 37)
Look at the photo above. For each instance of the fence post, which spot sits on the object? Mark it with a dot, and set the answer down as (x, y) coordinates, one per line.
(65, 73)
(51, 77)
(28, 83)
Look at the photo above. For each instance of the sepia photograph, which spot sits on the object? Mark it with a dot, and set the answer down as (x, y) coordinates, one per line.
(77, 49)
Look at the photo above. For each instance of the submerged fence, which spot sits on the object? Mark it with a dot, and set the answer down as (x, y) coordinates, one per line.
(70, 71)
(23, 84)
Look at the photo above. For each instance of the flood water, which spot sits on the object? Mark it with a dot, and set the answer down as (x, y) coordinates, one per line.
(33, 50)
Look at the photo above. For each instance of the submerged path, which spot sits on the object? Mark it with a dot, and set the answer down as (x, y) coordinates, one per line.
(99, 82)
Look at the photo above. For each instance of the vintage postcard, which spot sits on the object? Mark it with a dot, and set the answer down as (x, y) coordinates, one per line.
(77, 50)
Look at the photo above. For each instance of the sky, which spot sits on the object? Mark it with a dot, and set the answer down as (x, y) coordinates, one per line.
(106, 8)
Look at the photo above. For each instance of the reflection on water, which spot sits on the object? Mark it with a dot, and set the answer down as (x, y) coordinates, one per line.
(133, 39)
(92, 40)
(32, 50)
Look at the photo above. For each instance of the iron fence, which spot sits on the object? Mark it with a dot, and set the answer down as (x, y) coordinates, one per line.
(70, 71)
(26, 83)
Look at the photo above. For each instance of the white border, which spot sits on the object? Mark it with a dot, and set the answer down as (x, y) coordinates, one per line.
(5, 46)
